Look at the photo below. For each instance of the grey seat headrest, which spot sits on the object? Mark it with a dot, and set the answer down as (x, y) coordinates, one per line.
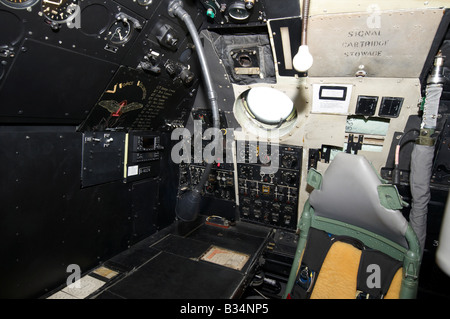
(349, 194)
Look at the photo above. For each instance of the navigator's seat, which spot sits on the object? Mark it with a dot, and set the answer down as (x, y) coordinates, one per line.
(354, 242)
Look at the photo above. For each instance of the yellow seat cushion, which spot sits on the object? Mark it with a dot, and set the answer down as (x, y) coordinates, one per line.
(396, 284)
(338, 275)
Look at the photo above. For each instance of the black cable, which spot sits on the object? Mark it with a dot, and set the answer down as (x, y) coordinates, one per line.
(396, 170)
(188, 204)
(404, 134)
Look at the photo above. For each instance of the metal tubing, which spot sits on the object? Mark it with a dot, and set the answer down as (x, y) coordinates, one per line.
(192, 199)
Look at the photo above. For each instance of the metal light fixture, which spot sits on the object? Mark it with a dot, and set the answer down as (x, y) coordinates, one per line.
(303, 60)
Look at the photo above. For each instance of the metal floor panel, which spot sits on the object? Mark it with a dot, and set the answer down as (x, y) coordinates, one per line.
(176, 277)
(169, 264)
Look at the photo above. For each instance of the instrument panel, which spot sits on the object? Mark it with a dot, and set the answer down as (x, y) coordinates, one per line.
(65, 53)
(87, 27)
(59, 11)
(270, 197)
(265, 186)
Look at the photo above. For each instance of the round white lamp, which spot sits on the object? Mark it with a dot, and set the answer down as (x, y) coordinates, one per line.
(303, 60)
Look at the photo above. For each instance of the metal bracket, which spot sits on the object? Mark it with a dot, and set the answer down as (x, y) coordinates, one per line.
(354, 146)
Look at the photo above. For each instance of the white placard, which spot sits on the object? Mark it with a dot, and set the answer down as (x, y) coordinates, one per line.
(133, 170)
(331, 98)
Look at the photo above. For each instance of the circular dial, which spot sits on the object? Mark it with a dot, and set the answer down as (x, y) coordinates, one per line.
(289, 161)
(238, 11)
(119, 32)
(145, 2)
(59, 10)
(19, 4)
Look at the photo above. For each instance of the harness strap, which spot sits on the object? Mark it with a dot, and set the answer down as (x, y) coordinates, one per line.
(375, 273)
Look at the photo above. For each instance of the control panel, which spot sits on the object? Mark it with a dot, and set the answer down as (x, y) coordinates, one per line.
(142, 156)
(390, 107)
(102, 157)
(219, 185)
(115, 64)
(218, 191)
(271, 198)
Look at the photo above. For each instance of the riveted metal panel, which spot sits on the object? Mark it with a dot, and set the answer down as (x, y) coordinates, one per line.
(378, 43)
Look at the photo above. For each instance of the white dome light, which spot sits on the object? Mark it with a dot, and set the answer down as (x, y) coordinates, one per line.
(268, 105)
(303, 60)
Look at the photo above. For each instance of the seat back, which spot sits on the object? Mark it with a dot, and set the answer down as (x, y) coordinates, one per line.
(350, 193)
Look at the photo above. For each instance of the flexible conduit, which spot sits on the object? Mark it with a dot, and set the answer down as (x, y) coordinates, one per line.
(187, 210)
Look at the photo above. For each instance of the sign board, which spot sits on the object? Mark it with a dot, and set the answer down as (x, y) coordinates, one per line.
(391, 44)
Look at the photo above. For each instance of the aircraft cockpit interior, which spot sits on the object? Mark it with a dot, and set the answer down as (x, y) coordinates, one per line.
(224, 149)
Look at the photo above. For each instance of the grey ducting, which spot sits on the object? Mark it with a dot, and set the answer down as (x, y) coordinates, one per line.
(423, 153)
(421, 165)
(433, 96)
(188, 203)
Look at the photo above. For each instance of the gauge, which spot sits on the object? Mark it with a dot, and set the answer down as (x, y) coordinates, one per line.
(120, 32)
(19, 4)
(145, 2)
(238, 11)
(60, 10)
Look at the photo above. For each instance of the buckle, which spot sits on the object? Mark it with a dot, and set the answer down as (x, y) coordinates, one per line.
(305, 278)
(364, 295)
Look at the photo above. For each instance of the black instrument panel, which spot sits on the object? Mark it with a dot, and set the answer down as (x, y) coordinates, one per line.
(267, 189)
(144, 154)
(58, 58)
(87, 27)
(270, 197)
